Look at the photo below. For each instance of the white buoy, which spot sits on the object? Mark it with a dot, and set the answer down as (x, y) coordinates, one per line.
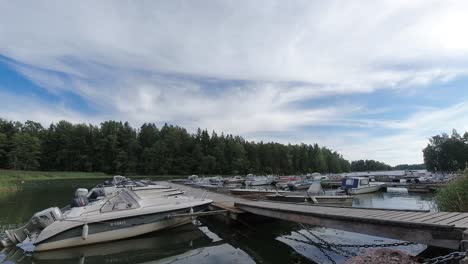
(84, 234)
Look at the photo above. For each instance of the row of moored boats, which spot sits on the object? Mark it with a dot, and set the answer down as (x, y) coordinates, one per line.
(117, 209)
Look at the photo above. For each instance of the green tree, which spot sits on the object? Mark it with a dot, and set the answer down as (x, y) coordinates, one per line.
(25, 152)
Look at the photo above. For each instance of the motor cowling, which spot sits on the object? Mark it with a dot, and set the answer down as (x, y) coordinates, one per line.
(34, 226)
(80, 192)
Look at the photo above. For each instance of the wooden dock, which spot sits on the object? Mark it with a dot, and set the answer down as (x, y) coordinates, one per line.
(441, 229)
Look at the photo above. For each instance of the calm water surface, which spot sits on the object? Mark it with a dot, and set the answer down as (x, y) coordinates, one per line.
(211, 242)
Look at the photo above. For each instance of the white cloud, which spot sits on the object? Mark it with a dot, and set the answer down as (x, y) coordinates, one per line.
(23, 108)
(239, 66)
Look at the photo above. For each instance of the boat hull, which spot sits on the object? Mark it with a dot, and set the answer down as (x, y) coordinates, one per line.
(257, 182)
(319, 200)
(253, 192)
(363, 190)
(113, 235)
(115, 229)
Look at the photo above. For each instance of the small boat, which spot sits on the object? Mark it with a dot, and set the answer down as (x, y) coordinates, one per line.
(314, 195)
(235, 180)
(123, 214)
(360, 185)
(260, 192)
(329, 200)
(124, 182)
(209, 183)
(252, 180)
(299, 185)
(321, 177)
(216, 180)
(192, 179)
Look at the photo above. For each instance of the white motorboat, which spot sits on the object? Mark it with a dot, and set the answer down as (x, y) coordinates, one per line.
(360, 185)
(209, 183)
(252, 180)
(122, 214)
(235, 180)
(124, 182)
(256, 192)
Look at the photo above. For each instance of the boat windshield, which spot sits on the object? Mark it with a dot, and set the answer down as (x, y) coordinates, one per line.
(119, 179)
(349, 182)
(364, 182)
(122, 201)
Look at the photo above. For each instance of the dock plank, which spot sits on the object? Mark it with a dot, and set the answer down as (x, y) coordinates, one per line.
(441, 218)
(435, 228)
(429, 217)
(454, 219)
(414, 218)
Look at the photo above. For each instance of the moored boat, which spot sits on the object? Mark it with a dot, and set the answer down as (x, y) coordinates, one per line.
(252, 180)
(360, 185)
(254, 192)
(123, 214)
(234, 180)
(124, 182)
(330, 200)
(299, 185)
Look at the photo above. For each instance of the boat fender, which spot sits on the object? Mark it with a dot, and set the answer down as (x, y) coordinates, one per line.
(84, 234)
(314, 200)
(191, 212)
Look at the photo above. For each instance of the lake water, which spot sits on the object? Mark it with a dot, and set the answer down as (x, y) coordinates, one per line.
(211, 242)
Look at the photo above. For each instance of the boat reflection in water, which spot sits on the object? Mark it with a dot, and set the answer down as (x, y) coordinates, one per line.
(183, 244)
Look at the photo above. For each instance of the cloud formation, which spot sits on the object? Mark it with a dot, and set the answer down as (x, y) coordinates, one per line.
(256, 68)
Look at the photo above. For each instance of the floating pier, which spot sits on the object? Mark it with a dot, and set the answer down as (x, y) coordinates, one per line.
(441, 229)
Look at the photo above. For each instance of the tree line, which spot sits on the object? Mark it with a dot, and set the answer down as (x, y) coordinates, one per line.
(446, 153)
(116, 147)
(369, 165)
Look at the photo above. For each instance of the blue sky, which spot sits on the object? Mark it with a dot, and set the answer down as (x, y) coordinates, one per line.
(373, 82)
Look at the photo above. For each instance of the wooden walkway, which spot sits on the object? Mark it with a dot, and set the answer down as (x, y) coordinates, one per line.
(442, 229)
(220, 201)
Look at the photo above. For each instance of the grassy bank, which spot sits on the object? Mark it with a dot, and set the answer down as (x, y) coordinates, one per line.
(17, 175)
(11, 180)
(454, 196)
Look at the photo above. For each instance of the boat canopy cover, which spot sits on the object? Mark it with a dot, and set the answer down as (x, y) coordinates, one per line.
(350, 183)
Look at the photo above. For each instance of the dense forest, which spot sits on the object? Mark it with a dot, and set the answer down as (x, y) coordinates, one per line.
(116, 147)
(447, 153)
(410, 167)
(369, 165)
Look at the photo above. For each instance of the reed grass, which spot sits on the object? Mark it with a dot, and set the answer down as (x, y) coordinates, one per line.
(454, 196)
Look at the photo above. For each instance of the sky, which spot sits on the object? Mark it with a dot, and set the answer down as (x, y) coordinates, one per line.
(370, 79)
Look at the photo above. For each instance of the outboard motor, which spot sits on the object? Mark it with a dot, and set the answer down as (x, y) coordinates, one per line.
(36, 224)
(81, 198)
(81, 192)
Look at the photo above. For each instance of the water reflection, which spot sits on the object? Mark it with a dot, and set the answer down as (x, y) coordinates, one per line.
(395, 200)
(185, 244)
(326, 245)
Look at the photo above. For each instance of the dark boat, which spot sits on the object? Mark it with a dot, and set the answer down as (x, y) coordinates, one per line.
(330, 200)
